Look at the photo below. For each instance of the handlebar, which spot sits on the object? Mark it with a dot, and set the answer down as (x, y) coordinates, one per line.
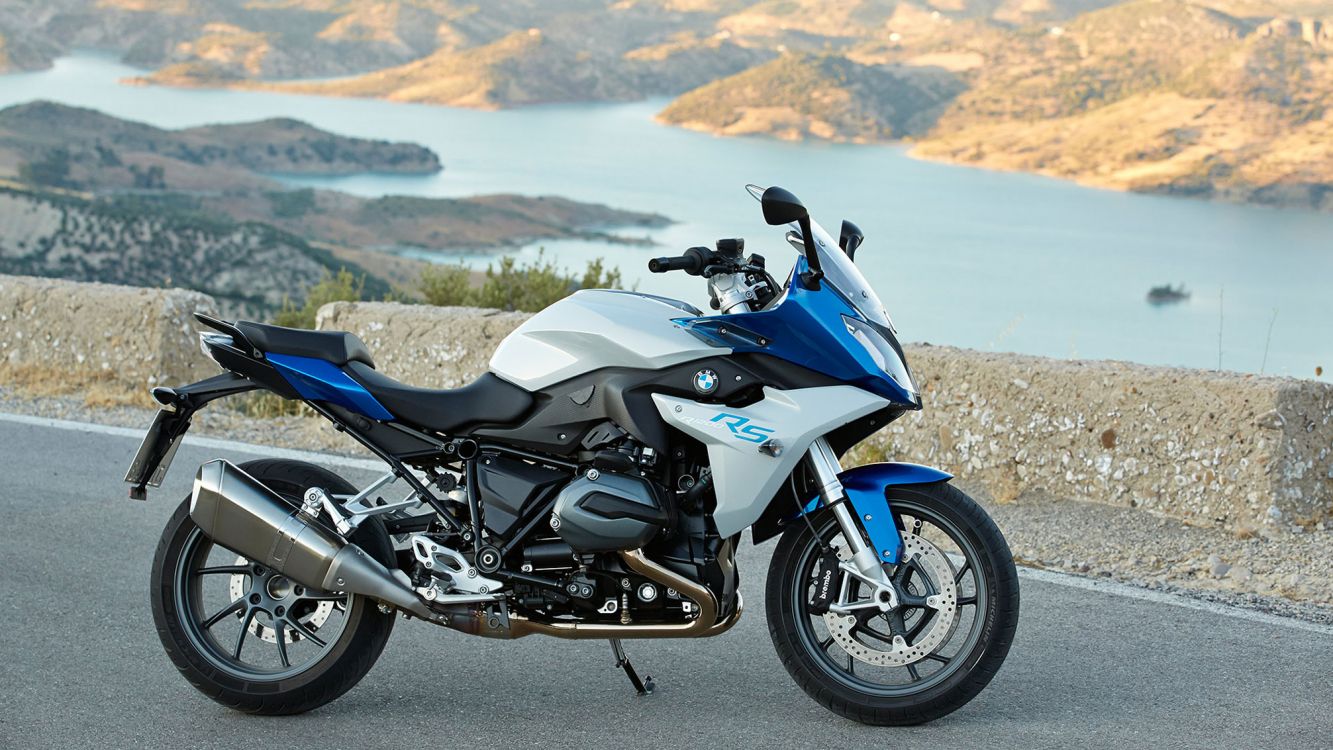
(692, 262)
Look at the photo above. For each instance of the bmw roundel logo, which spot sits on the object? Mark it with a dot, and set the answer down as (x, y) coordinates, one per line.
(706, 381)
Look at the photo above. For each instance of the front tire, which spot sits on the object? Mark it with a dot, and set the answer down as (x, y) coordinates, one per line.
(251, 639)
(952, 651)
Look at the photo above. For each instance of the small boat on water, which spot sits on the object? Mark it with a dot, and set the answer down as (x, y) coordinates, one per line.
(1167, 294)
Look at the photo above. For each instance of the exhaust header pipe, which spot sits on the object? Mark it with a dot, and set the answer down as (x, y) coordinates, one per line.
(235, 510)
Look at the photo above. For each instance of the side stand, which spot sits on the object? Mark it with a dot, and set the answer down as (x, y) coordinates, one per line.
(642, 687)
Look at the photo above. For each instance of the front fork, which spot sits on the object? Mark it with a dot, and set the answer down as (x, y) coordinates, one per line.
(865, 562)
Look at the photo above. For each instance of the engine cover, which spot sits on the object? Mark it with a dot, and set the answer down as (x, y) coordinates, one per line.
(601, 512)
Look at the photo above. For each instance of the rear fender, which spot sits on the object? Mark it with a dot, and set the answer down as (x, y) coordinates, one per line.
(867, 490)
(172, 422)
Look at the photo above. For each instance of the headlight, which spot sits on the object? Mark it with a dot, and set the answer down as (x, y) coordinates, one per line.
(881, 351)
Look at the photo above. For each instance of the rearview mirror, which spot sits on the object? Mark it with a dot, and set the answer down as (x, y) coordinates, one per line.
(781, 207)
(850, 238)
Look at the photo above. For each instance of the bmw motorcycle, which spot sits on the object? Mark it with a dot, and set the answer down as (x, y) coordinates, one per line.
(594, 483)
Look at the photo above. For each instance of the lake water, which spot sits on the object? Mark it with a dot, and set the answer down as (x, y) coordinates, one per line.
(988, 260)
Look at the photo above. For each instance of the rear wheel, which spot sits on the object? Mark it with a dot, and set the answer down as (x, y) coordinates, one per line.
(249, 637)
(957, 611)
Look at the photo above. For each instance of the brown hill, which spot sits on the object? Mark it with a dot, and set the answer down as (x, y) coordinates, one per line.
(822, 96)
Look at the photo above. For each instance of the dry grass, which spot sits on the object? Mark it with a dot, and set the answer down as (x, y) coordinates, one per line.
(98, 388)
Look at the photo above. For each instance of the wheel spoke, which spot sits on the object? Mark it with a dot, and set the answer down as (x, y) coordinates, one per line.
(307, 632)
(938, 657)
(916, 676)
(281, 630)
(958, 577)
(233, 569)
(824, 644)
(920, 625)
(876, 635)
(227, 610)
(967, 600)
(245, 630)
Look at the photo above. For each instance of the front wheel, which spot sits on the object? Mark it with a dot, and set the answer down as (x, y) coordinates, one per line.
(957, 611)
(249, 637)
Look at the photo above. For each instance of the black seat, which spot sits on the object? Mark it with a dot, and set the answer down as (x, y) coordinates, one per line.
(486, 400)
(338, 347)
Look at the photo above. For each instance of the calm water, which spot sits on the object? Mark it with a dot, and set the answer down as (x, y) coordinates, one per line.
(966, 257)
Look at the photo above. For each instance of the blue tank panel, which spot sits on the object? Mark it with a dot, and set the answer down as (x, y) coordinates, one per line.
(320, 380)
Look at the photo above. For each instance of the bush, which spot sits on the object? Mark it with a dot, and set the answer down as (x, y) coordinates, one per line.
(343, 287)
(447, 285)
(510, 286)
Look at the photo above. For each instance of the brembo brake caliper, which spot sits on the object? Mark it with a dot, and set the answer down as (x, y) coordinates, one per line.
(865, 563)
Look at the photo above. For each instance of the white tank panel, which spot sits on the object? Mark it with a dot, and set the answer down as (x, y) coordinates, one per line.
(593, 329)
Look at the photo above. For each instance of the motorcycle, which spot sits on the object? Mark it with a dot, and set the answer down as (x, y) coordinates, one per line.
(594, 483)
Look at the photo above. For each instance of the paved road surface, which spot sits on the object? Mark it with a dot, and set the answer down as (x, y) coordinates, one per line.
(80, 664)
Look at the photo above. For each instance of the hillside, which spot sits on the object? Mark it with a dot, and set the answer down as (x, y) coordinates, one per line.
(821, 96)
(1211, 98)
(221, 169)
(91, 197)
(1160, 96)
(67, 146)
(522, 68)
(249, 267)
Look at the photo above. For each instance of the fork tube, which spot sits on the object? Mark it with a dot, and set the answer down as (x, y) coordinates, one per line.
(826, 468)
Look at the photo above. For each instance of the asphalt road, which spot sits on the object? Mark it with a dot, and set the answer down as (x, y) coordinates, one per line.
(80, 664)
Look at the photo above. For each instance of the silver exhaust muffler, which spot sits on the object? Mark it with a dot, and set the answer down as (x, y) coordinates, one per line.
(235, 510)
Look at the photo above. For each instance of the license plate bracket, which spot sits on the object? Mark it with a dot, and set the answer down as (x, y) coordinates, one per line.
(156, 452)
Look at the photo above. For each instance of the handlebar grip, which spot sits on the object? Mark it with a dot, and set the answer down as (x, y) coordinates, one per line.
(673, 263)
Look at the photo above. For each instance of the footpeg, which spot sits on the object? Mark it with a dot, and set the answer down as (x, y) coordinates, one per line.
(646, 686)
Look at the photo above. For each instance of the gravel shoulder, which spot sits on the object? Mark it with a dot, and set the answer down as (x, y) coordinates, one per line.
(1280, 572)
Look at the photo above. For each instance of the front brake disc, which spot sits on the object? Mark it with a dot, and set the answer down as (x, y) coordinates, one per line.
(943, 602)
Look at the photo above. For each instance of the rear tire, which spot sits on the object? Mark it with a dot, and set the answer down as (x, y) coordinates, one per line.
(331, 671)
(924, 696)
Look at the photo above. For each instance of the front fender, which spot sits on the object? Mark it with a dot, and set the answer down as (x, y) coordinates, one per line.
(866, 488)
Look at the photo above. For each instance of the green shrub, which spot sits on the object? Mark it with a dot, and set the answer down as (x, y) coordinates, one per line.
(510, 286)
(343, 287)
(447, 285)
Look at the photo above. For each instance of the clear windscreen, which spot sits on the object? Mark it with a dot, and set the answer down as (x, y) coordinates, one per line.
(839, 270)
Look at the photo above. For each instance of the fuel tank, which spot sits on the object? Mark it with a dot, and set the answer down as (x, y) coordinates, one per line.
(594, 329)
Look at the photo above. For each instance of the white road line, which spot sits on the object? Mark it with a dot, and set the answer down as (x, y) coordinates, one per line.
(326, 459)
(1161, 597)
(1111, 588)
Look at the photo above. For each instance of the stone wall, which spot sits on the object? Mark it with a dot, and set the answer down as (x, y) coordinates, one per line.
(1213, 448)
(73, 333)
(435, 347)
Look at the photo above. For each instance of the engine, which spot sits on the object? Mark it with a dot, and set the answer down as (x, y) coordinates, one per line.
(603, 512)
(554, 535)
